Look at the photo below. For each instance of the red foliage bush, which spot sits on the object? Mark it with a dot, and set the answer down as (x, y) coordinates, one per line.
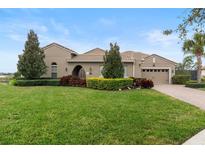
(142, 82)
(145, 83)
(72, 81)
(64, 81)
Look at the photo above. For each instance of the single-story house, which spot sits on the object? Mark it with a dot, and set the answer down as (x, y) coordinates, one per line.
(63, 61)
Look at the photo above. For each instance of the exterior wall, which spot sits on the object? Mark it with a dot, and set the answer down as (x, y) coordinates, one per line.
(159, 62)
(95, 67)
(58, 55)
(203, 73)
(129, 67)
(137, 69)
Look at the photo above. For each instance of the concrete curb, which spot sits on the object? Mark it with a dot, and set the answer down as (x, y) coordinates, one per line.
(198, 139)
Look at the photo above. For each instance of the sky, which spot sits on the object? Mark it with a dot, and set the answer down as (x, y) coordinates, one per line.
(84, 29)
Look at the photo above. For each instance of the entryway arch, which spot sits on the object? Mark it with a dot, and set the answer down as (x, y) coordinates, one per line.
(79, 71)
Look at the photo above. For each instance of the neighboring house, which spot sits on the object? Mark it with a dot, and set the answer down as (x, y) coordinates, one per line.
(63, 61)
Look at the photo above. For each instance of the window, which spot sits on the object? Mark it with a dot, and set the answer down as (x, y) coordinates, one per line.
(151, 70)
(101, 68)
(155, 70)
(158, 70)
(125, 71)
(54, 70)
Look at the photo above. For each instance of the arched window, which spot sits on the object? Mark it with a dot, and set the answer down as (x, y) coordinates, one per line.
(54, 70)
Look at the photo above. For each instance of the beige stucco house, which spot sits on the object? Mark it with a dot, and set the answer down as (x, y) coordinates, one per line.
(63, 61)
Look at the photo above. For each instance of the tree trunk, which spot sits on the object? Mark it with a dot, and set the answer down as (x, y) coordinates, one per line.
(199, 66)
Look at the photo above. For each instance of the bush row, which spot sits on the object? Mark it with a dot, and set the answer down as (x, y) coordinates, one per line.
(180, 79)
(109, 84)
(39, 82)
(96, 83)
(72, 81)
(195, 85)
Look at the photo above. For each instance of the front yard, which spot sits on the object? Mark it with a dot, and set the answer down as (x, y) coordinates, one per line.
(68, 115)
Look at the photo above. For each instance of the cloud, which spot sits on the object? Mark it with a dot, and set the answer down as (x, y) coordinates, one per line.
(59, 27)
(16, 37)
(156, 37)
(107, 22)
(18, 32)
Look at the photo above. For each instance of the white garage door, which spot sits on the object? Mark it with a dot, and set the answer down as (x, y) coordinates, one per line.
(158, 76)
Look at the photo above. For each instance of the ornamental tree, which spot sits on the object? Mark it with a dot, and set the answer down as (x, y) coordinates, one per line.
(113, 67)
(31, 63)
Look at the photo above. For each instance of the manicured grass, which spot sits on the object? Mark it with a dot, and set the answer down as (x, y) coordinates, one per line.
(68, 115)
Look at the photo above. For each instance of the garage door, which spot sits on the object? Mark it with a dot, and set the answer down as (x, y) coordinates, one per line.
(158, 76)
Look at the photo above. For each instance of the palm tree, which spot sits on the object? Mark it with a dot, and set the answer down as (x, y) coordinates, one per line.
(195, 47)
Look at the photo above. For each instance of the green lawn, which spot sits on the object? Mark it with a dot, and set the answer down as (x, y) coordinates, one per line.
(68, 115)
(202, 89)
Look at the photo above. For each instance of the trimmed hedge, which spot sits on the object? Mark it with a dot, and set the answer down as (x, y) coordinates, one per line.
(109, 84)
(39, 82)
(195, 85)
(180, 79)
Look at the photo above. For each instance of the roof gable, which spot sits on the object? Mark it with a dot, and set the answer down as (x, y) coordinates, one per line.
(155, 55)
(133, 55)
(59, 46)
(96, 51)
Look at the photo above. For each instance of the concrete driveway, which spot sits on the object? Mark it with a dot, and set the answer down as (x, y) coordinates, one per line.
(189, 95)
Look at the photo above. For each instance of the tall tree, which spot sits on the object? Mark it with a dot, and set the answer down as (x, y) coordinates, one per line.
(193, 20)
(187, 64)
(195, 47)
(113, 67)
(31, 63)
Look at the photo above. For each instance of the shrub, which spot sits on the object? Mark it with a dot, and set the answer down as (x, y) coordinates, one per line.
(109, 84)
(12, 82)
(195, 85)
(64, 81)
(203, 79)
(72, 81)
(142, 83)
(39, 82)
(145, 83)
(191, 81)
(180, 79)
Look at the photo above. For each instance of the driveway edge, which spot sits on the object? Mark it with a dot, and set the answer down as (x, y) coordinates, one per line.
(198, 139)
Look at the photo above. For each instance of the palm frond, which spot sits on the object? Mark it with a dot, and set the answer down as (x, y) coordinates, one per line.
(188, 46)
